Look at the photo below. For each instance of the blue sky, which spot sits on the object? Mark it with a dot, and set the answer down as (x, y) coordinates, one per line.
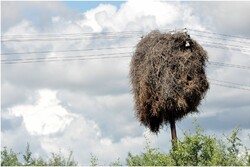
(82, 6)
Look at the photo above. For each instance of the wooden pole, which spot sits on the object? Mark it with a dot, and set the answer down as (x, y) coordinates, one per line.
(173, 128)
(174, 136)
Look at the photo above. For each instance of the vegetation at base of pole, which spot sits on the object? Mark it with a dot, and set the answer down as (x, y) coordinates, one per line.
(195, 149)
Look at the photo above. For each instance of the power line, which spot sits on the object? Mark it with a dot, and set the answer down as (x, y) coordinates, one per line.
(93, 49)
(110, 34)
(73, 50)
(224, 47)
(79, 59)
(119, 32)
(67, 39)
(230, 86)
(71, 34)
(220, 38)
(105, 37)
(65, 58)
(102, 56)
(226, 35)
(227, 82)
(76, 36)
(217, 43)
(207, 43)
(109, 57)
(229, 65)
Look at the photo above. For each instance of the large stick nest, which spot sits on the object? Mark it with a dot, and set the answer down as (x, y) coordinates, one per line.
(167, 73)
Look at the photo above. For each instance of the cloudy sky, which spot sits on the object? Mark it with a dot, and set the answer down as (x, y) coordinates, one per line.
(64, 73)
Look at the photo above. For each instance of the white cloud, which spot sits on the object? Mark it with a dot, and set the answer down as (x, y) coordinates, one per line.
(85, 137)
(228, 17)
(132, 15)
(46, 116)
(97, 17)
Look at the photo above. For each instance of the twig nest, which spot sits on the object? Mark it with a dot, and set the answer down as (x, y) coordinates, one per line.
(168, 78)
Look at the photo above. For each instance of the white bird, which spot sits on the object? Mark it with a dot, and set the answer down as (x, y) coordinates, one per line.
(187, 44)
(185, 30)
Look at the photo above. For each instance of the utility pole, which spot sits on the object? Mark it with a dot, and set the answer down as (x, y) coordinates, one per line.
(173, 128)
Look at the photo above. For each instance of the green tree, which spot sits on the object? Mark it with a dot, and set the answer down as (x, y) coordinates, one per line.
(93, 160)
(59, 160)
(195, 150)
(116, 163)
(27, 156)
(151, 157)
(9, 158)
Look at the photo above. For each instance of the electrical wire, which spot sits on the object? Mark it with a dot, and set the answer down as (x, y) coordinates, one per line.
(110, 34)
(125, 34)
(67, 39)
(75, 50)
(227, 45)
(227, 82)
(226, 35)
(63, 58)
(108, 56)
(224, 47)
(221, 38)
(62, 51)
(71, 34)
(114, 37)
(103, 56)
(230, 86)
(235, 85)
(59, 58)
(119, 32)
(205, 43)
(229, 65)
(92, 49)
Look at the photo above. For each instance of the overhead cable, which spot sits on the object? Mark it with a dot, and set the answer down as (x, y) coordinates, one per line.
(231, 83)
(230, 86)
(71, 50)
(215, 33)
(65, 58)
